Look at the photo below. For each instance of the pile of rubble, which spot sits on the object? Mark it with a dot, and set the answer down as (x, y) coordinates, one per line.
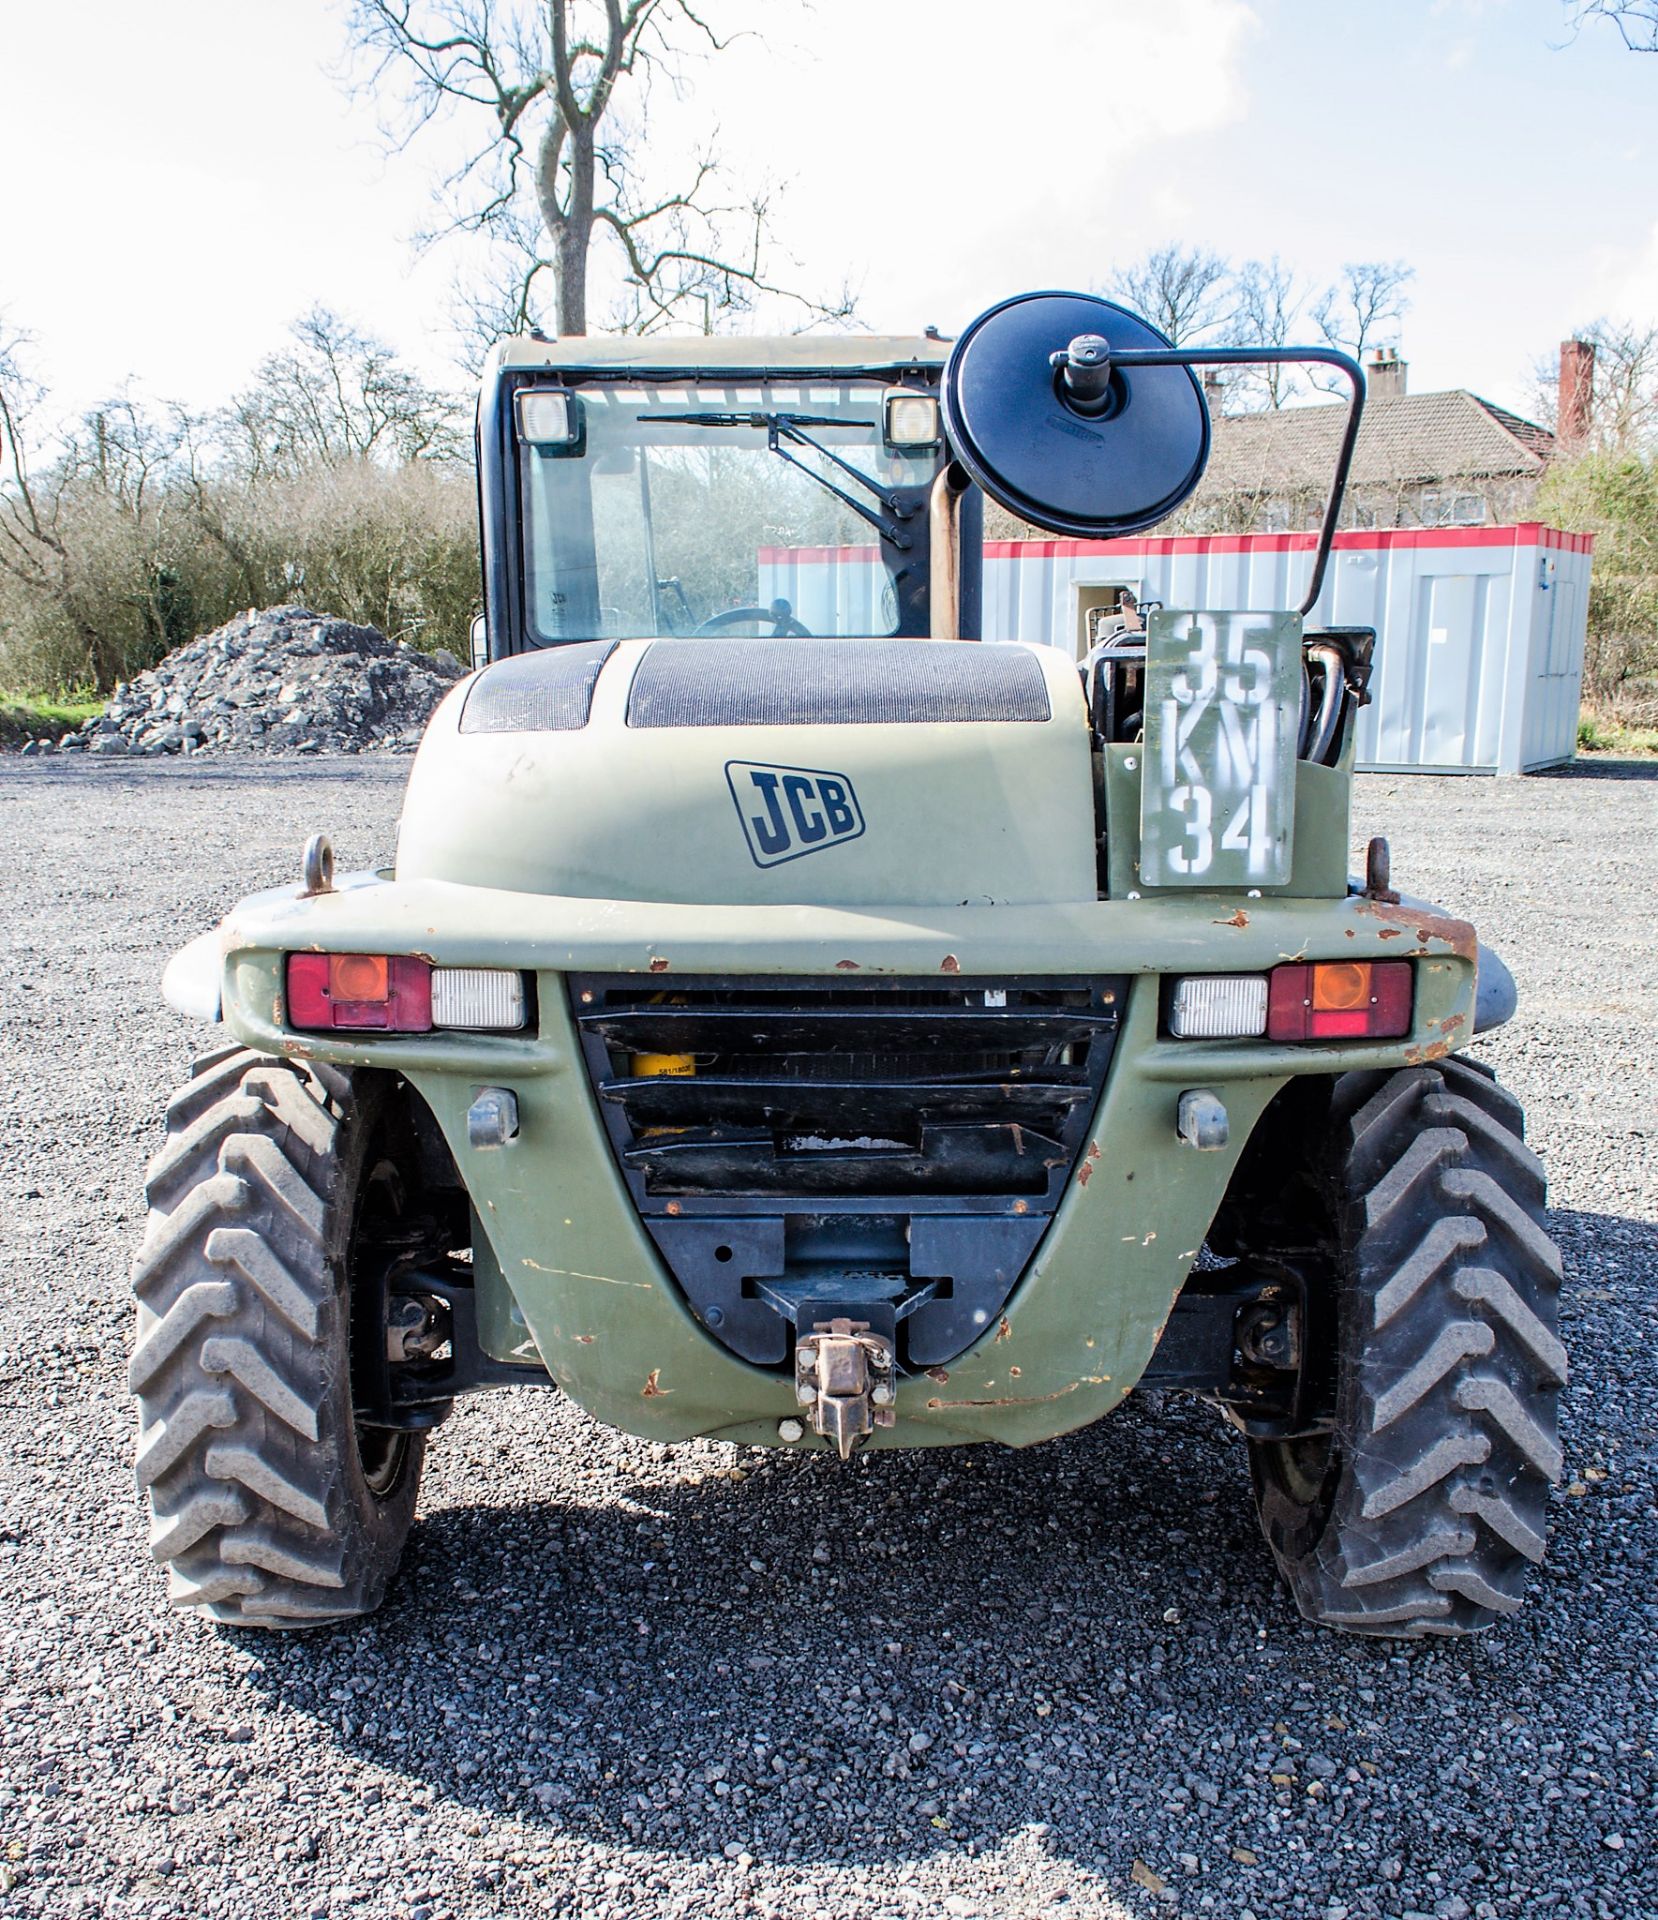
(282, 679)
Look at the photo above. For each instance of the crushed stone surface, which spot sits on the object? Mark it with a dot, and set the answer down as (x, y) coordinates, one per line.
(273, 680)
(621, 1679)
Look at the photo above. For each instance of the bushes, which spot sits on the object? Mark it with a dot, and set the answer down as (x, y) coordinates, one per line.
(336, 478)
(1613, 493)
(391, 547)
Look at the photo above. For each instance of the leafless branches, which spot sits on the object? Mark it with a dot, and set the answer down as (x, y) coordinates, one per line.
(1635, 20)
(554, 95)
(336, 394)
(1199, 297)
(1184, 292)
(1364, 308)
(29, 543)
(1623, 411)
(1269, 305)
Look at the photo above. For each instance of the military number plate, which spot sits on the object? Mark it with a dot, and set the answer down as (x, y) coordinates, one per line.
(1223, 706)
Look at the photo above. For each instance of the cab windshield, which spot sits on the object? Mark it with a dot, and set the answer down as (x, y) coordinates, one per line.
(708, 508)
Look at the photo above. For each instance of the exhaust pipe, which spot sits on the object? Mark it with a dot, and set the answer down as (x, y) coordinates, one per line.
(944, 538)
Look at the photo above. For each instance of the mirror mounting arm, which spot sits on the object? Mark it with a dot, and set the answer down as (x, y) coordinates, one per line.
(1343, 363)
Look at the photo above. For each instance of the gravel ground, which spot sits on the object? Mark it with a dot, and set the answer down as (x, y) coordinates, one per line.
(623, 1679)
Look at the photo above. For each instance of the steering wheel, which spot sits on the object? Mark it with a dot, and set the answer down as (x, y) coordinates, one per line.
(779, 613)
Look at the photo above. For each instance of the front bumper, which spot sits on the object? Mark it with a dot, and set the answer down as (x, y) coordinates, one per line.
(577, 1273)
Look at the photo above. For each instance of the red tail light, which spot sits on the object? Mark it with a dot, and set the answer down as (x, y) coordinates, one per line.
(1339, 1000)
(387, 993)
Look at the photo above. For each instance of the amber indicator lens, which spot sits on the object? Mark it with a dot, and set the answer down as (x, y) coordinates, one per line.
(1340, 1000)
(1341, 987)
(358, 976)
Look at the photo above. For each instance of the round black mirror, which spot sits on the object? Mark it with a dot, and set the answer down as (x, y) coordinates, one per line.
(1058, 433)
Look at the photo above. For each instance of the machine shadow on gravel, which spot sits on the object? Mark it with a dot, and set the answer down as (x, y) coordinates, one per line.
(920, 1627)
(1581, 769)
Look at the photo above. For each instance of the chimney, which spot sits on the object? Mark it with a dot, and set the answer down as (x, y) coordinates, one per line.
(1214, 389)
(1577, 392)
(1384, 373)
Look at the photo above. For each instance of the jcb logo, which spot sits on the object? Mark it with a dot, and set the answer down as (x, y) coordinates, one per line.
(790, 811)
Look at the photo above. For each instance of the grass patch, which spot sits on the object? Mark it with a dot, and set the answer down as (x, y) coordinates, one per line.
(28, 716)
(1596, 733)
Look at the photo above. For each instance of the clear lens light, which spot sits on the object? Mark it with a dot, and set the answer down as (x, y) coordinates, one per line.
(477, 998)
(546, 419)
(912, 420)
(1219, 1006)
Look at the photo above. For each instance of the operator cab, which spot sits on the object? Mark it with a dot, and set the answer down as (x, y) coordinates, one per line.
(644, 490)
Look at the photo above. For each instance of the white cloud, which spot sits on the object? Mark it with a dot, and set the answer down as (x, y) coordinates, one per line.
(987, 148)
(1625, 282)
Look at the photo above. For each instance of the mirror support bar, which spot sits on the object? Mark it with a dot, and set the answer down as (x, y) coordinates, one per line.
(1344, 364)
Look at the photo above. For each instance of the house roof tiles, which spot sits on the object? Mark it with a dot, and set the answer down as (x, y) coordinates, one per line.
(1409, 439)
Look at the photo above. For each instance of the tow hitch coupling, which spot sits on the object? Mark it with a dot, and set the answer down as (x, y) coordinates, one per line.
(845, 1375)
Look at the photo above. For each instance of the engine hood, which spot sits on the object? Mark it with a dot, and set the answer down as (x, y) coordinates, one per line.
(784, 771)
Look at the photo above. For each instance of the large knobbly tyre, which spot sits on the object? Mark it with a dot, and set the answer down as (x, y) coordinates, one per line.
(268, 1507)
(1425, 1510)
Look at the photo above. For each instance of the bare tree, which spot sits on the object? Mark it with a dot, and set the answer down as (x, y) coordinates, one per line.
(32, 547)
(1635, 20)
(547, 87)
(336, 394)
(1193, 295)
(1269, 302)
(1365, 306)
(1184, 292)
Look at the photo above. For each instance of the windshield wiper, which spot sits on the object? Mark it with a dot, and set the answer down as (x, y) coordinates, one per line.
(781, 427)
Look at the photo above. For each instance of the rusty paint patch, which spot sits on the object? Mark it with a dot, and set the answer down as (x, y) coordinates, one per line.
(1390, 933)
(1004, 1331)
(1437, 1048)
(1238, 919)
(1086, 1171)
(950, 964)
(940, 1374)
(1013, 1373)
(1458, 935)
(658, 964)
(846, 966)
(652, 1391)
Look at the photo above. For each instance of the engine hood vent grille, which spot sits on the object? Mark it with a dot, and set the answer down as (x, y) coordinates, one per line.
(816, 683)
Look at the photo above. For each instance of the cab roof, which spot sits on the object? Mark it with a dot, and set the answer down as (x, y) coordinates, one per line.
(678, 356)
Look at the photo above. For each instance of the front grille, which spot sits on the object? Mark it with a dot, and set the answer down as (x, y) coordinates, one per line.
(838, 1129)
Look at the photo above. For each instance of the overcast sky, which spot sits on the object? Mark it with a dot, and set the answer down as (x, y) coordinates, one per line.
(184, 177)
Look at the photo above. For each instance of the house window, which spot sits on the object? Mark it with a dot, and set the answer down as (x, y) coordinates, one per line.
(1446, 509)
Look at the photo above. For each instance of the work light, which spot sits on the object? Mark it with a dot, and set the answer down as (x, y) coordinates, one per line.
(551, 421)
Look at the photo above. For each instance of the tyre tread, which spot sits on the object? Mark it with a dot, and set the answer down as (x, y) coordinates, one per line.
(1446, 1427)
(238, 1362)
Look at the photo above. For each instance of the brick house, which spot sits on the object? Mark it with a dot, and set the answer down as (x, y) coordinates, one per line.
(1423, 459)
